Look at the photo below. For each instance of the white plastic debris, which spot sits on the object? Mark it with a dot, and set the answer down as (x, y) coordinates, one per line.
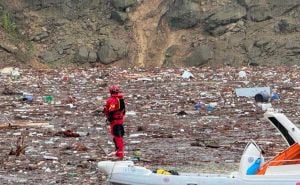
(266, 106)
(47, 157)
(242, 75)
(7, 71)
(252, 91)
(15, 73)
(131, 113)
(187, 75)
(48, 170)
(144, 79)
(134, 142)
(137, 135)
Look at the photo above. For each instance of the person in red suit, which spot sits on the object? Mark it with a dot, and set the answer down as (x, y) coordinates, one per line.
(114, 111)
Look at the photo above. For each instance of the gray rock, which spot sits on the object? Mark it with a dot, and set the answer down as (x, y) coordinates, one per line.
(293, 45)
(60, 22)
(254, 53)
(266, 51)
(40, 36)
(107, 55)
(59, 48)
(197, 1)
(66, 44)
(171, 51)
(86, 55)
(50, 56)
(38, 5)
(225, 16)
(8, 47)
(264, 10)
(68, 9)
(183, 14)
(283, 26)
(248, 3)
(120, 17)
(199, 56)
(259, 13)
(169, 56)
(112, 50)
(279, 7)
(83, 54)
(220, 30)
(92, 56)
(123, 4)
(168, 62)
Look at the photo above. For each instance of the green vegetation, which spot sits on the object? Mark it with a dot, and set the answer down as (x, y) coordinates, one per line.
(24, 45)
(8, 25)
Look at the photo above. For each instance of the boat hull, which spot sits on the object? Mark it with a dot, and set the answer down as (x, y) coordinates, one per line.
(125, 179)
(125, 173)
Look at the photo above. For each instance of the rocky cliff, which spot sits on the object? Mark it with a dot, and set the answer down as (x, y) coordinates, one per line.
(150, 33)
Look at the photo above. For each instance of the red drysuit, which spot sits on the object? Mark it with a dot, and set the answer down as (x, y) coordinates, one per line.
(114, 112)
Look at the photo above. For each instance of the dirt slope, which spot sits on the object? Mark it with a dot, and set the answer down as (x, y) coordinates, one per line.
(151, 33)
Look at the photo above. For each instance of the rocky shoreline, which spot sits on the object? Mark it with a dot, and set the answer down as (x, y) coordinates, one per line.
(151, 33)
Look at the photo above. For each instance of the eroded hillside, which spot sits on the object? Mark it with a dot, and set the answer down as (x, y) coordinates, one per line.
(150, 33)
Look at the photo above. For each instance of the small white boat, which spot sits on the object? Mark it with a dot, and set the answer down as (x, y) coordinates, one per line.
(283, 169)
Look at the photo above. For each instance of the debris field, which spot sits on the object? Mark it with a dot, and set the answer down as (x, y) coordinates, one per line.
(50, 133)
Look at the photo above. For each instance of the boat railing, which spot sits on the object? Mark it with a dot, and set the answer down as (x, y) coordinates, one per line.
(284, 162)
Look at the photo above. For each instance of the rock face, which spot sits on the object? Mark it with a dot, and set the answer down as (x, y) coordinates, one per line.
(224, 16)
(237, 32)
(199, 56)
(49, 56)
(264, 10)
(120, 17)
(183, 14)
(112, 50)
(284, 26)
(123, 4)
(259, 13)
(68, 8)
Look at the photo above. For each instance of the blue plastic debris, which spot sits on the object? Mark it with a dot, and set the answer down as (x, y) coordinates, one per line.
(275, 96)
(210, 108)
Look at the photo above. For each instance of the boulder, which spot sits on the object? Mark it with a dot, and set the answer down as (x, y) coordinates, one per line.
(259, 13)
(40, 36)
(83, 54)
(183, 14)
(92, 56)
(120, 17)
(170, 55)
(123, 4)
(283, 26)
(86, 55)
(49, 56)
(168, 62)
(199, 56)
(224, 16)
(112, 50)
(171, 51)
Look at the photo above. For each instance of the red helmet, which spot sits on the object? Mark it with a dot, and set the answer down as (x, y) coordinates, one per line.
(114, 89)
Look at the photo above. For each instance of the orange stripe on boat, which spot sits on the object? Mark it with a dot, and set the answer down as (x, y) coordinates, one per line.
(291, 153)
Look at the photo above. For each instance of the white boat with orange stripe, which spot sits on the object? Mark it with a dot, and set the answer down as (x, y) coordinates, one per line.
(283, 169)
